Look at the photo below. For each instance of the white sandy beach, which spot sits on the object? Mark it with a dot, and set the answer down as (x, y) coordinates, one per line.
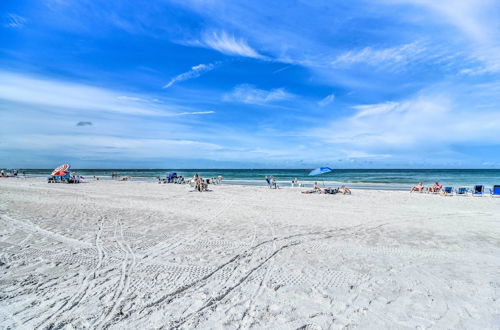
(136, 255)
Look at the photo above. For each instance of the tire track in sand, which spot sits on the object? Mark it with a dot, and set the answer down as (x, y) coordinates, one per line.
(127, 267)
(74, 300)
(251, 306)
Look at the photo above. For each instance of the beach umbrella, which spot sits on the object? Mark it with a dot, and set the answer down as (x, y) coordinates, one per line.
(60, 168)
(61, 173)
(320, 170)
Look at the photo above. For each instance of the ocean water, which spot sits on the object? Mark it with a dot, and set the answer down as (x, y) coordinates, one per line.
(366, 178)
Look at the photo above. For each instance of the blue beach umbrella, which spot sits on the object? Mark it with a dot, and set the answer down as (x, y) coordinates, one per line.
(320, 170)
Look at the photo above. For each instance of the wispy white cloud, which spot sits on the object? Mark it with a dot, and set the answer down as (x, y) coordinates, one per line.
(327, 100)
(51, 93)
(228, 44)
(392, 55)
(246, 93)
(195, 72)
(429, 121)
(478, 20)
(195, 113)
(112, 145)
(15, 21)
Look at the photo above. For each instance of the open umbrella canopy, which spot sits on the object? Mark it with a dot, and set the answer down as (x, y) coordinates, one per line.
(320, 170)
(61, 173)
(63, 168)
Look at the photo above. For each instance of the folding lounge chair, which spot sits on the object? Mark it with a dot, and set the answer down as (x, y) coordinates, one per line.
(447, 191)
(478, 190)
(462, 191)
(495, 191)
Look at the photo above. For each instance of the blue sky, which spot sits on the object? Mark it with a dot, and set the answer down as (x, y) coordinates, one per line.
(252, 84)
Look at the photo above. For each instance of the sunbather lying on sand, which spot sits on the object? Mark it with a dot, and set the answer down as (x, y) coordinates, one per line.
(419, 187)
(315, 189)
(345, 190)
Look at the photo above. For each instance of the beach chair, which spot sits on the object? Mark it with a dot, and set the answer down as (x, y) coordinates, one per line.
(447, 191)
(462, 191)
(495, 191)
(478, 190)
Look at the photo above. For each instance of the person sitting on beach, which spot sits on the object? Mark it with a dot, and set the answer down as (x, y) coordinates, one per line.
(199, 183)
(345, 190)
(435, 188)
(419, 187)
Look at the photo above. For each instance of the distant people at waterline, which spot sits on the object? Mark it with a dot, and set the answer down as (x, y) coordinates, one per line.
(271, 182)
(4, 174)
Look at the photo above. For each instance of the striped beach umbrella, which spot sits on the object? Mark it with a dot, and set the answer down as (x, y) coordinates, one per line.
(60, 169)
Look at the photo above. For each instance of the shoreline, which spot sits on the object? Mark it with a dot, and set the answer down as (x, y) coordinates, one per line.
(281, 183)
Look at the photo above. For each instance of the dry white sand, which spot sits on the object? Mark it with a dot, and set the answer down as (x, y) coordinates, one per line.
(139, 255)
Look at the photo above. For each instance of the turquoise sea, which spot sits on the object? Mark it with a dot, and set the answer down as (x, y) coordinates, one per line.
(361, 178)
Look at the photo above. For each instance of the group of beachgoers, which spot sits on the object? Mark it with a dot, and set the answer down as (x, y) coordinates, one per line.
(318, 190)
(271, 183)
(177, 180)
(5, 174)
(116, 176)
(74, 178)
(434, 189)
(437, 188)
(296, 183)
(201, 184)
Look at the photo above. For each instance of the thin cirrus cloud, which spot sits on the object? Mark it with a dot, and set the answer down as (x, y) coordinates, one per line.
(227, 44)
(73, 97)
(327, 100)
(423, 123)
(195, 72)
(15, 21)
(249, 94)
(132, 147)
(477, 20)
(371, 56)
